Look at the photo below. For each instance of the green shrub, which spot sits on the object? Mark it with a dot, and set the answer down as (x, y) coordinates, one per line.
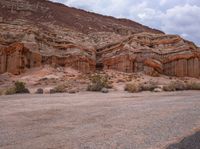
(133, 88)
(169, 88)
(10, 91)
(59, 89)
(98, 82)
(193, 86)
(175, 86)
(94, 87)
(18, 88)
(39, 91)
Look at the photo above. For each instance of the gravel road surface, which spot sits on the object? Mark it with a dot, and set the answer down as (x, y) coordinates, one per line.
(116, 120)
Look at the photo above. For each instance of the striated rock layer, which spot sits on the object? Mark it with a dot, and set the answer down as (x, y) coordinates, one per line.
(152, 53)
(17, 58)
(39, 32)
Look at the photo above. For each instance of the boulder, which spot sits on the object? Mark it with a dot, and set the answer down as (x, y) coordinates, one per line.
(104, 90)
(157, 90)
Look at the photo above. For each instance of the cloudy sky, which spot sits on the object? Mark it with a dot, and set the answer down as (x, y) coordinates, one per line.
(171, 16)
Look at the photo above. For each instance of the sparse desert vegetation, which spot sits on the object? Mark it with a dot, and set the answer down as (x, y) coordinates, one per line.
(17, 88)
(39, 91)
(193, 86)
(98, 82)
(59, 89)
(180, 86)
(149, 86)
(102, 82)
(106, 81)
(177, 85)
(133, 87)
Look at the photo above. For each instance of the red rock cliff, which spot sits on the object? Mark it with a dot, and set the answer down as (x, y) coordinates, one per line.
(38, 32)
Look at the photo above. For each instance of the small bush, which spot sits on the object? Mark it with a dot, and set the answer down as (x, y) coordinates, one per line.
(175, 86)
(94, 87)
(193, 86)
(18, 88)
(133, 88)
(98, 82)
(59, 89)
(149, 86)
(10, 91)
(39, 91)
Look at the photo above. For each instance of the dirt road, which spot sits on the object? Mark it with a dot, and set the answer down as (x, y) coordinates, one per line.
(117, 120)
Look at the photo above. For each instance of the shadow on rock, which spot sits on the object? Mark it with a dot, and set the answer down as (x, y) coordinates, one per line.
(190, 142)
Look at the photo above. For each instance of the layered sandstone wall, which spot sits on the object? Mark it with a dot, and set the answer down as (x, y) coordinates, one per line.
(38, 32)
(16, 59)
(24, 46)
(165, 54)
(183, 67)
(144, 52)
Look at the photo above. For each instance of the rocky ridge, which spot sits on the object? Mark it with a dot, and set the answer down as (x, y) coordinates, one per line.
(39, 32)
(152, 53)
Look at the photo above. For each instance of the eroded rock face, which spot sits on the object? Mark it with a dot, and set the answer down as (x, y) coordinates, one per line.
(24, 47)
(153, 53)
(17, 58)
(38, 32)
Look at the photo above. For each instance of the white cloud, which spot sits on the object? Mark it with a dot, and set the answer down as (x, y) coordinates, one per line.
(163, 2)
(183, 20)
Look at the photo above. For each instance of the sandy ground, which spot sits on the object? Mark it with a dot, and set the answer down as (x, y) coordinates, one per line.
(117, 120)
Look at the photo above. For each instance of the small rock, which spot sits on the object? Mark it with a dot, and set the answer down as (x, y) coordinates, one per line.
(104, 90)
(39, 91)
(157, 90)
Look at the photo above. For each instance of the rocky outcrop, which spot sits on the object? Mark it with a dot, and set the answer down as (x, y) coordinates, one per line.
(29, 38)
(39, 32)
(17, 58)
(152, 53)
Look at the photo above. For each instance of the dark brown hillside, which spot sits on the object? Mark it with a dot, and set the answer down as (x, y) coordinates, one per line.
(38, 11)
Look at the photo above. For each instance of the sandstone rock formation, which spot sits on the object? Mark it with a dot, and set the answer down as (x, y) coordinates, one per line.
(17, 58)
(39, 32)
(153, 53)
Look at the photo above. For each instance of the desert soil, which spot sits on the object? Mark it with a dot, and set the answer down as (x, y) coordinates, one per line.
(116, 120)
